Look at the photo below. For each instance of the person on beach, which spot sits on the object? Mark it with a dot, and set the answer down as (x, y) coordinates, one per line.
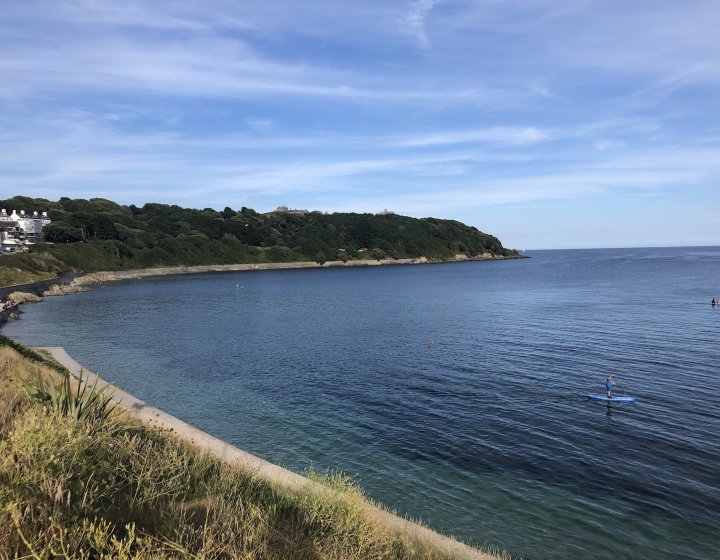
(609, 384)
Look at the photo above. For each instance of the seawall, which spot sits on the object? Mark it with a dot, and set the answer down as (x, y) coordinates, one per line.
(268, 471)
(9, 313)
(91, 278)
(36, 287)
(71, 283)
(87, 280)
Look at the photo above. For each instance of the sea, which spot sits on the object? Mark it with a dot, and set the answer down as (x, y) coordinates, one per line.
(455, 394)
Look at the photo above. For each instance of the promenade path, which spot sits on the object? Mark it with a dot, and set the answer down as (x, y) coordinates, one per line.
(268, 471)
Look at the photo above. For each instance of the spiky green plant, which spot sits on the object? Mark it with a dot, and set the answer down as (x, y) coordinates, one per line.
(86, 403)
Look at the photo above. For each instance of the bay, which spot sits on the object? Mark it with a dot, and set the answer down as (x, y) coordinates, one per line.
(453, 393)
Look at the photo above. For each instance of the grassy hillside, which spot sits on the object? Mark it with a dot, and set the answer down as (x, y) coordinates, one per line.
(76, 486)
(97, 234)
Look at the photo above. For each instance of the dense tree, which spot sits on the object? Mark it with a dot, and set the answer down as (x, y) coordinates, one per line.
(117, 236)
(61, 232)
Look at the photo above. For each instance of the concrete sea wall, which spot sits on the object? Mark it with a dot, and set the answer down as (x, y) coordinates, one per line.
(36, 287)
(268, 471)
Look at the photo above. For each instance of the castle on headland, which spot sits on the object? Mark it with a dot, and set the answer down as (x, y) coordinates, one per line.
(19, 230)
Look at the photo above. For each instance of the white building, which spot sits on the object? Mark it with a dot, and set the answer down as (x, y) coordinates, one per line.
(17, 230)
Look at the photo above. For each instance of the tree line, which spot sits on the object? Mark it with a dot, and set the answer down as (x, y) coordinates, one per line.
(98, 234)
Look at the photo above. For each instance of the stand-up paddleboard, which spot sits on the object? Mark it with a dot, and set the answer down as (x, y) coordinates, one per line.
(617, 398)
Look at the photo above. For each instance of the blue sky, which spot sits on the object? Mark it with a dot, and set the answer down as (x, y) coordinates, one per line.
(548, 123)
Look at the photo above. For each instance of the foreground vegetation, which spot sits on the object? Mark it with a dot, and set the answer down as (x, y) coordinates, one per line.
(97, 234)
(102, 485)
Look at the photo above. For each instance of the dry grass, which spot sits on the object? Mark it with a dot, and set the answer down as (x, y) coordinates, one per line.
(120, 489)
(13, 399)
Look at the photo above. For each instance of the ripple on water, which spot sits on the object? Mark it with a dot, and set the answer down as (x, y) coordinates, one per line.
(484, 434)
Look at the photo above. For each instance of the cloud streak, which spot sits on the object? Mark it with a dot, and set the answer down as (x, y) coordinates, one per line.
(206, 69)
(420, 106)
(474, 169)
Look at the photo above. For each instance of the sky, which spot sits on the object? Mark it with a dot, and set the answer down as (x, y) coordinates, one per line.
(548, 123)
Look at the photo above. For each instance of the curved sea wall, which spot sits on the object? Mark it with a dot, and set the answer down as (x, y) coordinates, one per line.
(85, 281)
(272, 473)
(36, 287)
(71, 283)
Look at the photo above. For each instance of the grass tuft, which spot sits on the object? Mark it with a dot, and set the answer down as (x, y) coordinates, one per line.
(107, 486)
(77, 399)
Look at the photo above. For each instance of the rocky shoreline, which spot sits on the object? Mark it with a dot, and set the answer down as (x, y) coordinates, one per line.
(89, 280)
(68, 285)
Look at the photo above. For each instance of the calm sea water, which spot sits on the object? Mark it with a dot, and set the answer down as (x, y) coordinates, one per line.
(483, 434)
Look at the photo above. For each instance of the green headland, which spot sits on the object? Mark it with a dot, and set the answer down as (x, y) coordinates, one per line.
(101, 235)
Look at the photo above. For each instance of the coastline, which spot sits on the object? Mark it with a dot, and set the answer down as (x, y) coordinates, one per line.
(270, 472)
(73, 283)
(88, 280)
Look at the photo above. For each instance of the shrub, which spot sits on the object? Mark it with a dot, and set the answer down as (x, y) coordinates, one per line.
(85, 403)
(378, 254)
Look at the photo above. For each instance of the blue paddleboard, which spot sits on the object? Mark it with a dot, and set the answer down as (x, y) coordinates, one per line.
(601, 397)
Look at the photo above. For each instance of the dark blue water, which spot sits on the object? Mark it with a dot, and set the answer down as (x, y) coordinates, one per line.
(484, 434)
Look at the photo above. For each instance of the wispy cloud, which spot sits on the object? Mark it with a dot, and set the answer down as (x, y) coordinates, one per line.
(501, 135)
(421, 106)
(206, 68)
(414, 20)
(474, 168)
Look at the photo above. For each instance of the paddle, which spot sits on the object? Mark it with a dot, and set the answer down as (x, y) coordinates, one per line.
(625, 392)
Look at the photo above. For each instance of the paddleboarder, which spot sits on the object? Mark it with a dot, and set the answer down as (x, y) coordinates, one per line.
(609, 384)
